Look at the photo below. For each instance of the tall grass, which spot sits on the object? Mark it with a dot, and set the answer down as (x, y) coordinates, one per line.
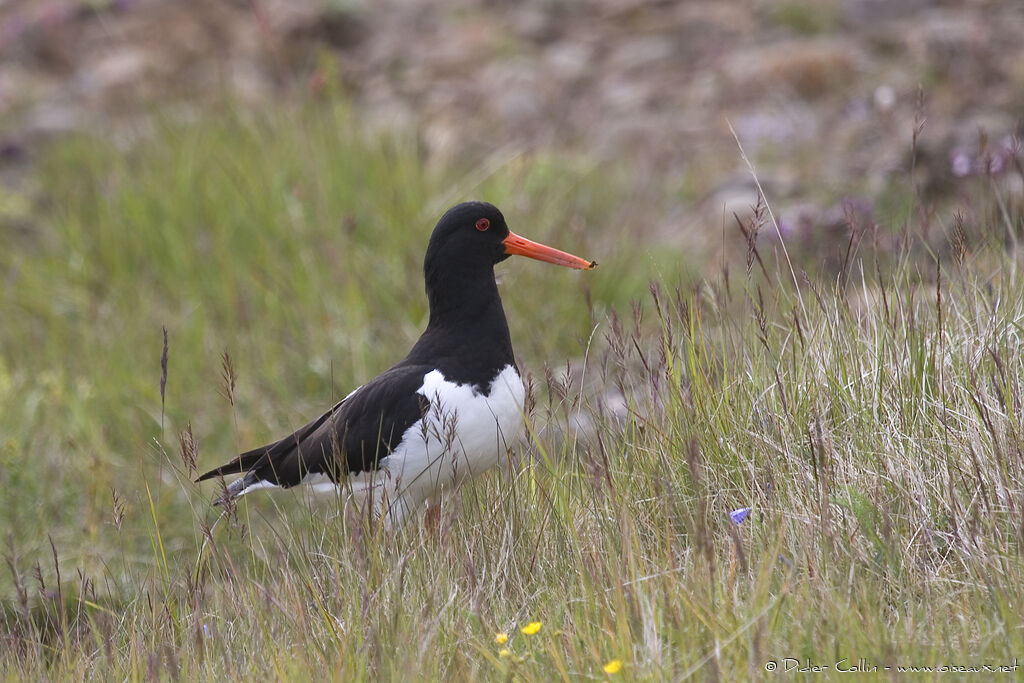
(871, 422)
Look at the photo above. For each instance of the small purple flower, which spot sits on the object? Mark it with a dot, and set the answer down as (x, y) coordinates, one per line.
(960, 163)
(785, 228)
(737, 516)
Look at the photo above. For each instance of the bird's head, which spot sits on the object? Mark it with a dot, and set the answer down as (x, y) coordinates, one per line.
(474, 234)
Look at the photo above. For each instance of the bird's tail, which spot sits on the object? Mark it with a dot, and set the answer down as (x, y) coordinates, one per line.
(246, 464)
(278, 464)
(239, 487)
(240, 465)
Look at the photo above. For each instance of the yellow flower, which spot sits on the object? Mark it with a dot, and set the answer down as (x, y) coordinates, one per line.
(503, 652)
(613, 667)
(531, 628)
(501, 638)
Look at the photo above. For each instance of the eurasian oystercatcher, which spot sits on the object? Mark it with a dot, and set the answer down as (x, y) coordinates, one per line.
(448, 411)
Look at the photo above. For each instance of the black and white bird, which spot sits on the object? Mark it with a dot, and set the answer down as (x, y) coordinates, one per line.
(449, 410)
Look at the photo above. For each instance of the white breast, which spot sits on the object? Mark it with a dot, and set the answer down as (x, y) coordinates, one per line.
(463, 433)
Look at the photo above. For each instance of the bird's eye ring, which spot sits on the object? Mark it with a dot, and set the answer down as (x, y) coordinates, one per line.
(483, 224)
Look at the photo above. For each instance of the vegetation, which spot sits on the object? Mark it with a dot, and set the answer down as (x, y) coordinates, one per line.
(869, 418)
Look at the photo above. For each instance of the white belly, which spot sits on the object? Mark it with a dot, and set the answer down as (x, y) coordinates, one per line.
(464, 432)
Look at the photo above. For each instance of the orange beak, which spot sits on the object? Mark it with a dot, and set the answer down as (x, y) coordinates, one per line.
(516, 245)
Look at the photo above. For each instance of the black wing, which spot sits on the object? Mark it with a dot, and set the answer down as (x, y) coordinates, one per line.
(353, 436)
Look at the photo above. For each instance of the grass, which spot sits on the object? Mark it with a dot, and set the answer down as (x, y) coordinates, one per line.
(871, 421)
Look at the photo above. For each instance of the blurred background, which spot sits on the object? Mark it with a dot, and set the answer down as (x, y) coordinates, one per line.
(821, 93)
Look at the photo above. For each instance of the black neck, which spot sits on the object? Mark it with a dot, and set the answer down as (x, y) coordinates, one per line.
(467, 333)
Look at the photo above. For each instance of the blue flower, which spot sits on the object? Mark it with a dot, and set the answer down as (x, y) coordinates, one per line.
(737, 516)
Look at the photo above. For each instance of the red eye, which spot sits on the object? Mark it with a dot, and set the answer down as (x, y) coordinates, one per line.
(483, 224)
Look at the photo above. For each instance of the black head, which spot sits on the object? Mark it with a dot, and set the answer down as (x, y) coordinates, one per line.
(469, 236)
(473, 236)
(459, 267)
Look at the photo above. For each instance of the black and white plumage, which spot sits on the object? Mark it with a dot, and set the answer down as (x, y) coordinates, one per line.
(449, 410)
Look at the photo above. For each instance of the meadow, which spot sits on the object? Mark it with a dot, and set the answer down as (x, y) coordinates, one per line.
(869, 417)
